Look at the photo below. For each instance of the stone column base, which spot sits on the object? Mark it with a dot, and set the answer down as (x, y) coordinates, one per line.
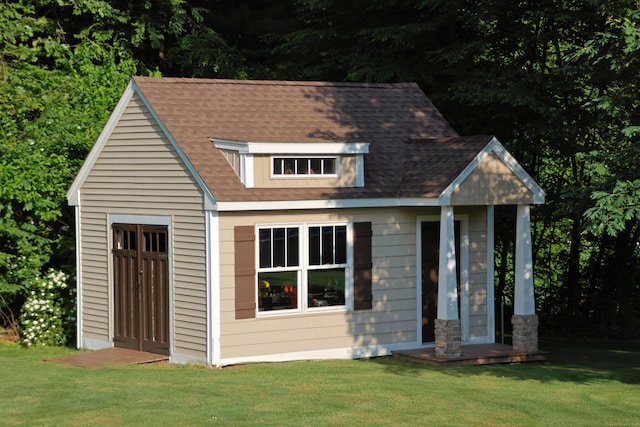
(525, 333)
(448, 339)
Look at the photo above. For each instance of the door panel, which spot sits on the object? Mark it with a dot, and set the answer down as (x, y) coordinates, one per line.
(141, 287)
(430, 241)
(125, 297)
(155, 291)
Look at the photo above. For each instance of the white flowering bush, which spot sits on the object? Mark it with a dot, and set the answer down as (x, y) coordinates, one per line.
(48, 310)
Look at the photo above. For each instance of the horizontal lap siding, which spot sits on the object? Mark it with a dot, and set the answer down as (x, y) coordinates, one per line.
(491, 183)
(392, 319)
(139, 172)
(477, 271)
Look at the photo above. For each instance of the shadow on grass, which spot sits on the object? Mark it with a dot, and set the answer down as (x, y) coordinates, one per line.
(576, 361)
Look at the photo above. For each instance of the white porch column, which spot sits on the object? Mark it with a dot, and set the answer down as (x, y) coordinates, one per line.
(524, 302)
(447, 278)
(447, 325)
(524, 320)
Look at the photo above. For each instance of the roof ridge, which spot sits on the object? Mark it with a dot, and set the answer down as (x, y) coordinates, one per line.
(190, 80)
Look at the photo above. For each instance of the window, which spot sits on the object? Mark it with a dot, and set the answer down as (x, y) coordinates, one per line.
(327, 265)
(304, 166)
(302, 268)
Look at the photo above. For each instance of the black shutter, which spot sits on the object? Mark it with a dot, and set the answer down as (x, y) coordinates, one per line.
(245, 272)
(362, 295)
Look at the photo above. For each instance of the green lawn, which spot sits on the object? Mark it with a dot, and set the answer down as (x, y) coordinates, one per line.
(582, 384)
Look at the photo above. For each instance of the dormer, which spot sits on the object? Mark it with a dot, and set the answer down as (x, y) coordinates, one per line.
(295, 164)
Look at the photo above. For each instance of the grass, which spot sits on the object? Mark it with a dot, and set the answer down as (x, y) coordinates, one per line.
(582, 384)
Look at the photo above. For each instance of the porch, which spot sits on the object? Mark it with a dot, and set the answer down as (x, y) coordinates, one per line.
(472, 354)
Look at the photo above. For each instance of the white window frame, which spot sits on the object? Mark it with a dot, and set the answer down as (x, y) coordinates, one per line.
(304, 267)
(295, 175)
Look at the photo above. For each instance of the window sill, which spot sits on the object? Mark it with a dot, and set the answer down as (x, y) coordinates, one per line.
(311, 311)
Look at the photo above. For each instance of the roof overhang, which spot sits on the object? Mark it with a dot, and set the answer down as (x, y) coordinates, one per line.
(265, 147)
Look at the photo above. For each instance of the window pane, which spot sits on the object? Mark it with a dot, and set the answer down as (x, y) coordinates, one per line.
(163, 243)
(327, 245)
(329, 166)
(341, 244)
(277, 166)
(277, 290)
(289, 166)
(314, 245)
(293, 247)
(316, 166)
(132, 240)
(302, 166)
(278, 247)
(265, 248)
(326, 287)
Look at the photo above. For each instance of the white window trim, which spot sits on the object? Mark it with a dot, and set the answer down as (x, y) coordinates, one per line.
(305, 176)
(304, 267)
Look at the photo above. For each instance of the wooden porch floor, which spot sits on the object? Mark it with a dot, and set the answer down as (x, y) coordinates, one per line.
(108, 357)
(474, 354)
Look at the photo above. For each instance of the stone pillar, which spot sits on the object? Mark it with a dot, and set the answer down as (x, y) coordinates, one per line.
(447, 325)
(448, 339)
(525, 333)
(524, 320)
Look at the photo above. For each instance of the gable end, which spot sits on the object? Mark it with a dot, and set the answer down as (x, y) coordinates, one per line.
(493, 177)
(131, 91)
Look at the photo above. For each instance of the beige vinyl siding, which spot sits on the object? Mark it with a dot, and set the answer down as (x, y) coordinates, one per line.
(233, 158)
(491, 183)
(263, 178)
(139, 173)
(393, 318)
(477, 272)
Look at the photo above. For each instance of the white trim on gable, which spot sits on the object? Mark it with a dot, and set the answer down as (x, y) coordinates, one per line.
(73, 195)
(494, 146)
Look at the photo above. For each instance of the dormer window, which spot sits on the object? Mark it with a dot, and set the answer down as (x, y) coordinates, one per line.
(321, 164)
(284, 166)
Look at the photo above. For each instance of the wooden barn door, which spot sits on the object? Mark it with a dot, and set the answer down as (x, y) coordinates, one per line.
(141, 287)
(430, 265)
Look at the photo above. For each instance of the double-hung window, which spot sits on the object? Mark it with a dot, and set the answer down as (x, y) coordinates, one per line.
(303, 267)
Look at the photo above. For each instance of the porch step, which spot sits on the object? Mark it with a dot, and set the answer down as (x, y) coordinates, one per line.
(474, 354)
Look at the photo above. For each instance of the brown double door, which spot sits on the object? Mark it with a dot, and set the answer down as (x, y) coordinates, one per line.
(430, 266)
(141, 287)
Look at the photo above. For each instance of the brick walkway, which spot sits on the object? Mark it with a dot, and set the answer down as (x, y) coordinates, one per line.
(108, 357)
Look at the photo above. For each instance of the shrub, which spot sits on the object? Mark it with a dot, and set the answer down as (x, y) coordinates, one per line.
(48, 310)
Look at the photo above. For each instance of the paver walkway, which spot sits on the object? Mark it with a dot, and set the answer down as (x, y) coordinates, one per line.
(108, 357)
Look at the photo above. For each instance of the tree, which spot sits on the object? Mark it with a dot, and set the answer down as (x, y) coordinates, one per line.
(56, 99)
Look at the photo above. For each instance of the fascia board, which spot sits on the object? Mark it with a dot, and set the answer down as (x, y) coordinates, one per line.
(73, 194)
(498, 149)
(326, 204)
(209, 200)
(253, 147)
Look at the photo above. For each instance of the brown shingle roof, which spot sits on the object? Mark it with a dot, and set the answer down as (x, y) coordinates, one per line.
(413, 151)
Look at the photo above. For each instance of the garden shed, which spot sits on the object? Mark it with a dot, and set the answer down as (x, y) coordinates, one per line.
(227, 221)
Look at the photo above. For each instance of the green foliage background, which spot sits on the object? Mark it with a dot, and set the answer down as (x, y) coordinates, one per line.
(555, 80)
